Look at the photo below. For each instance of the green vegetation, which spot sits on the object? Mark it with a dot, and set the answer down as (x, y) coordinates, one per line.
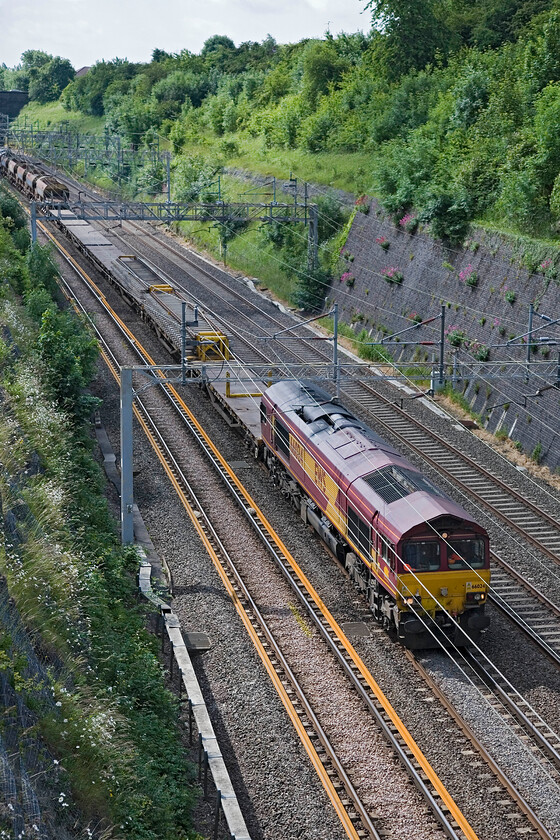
(446, 112)
(43, 76)
(101, 706)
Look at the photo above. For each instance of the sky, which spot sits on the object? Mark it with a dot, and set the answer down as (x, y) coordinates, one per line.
(86, 31)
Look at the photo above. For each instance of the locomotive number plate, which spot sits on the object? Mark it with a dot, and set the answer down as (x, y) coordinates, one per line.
(475, 586)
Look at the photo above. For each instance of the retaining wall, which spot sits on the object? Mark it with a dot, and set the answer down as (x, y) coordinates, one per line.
(505, 266)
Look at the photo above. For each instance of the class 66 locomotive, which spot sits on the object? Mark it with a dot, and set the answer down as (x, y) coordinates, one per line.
(420, 559)
(36, 185)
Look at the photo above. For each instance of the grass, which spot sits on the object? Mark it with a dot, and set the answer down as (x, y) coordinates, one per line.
(246, 253)
(346, 171)
(52, 114)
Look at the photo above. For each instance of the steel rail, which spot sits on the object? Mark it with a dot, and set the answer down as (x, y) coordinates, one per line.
(419, 768)
(317, 745)
(508, 785)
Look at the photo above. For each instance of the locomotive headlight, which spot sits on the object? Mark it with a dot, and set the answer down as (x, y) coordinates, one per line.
(409, 601)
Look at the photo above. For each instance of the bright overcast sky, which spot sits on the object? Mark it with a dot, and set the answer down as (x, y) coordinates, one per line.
(86, 31)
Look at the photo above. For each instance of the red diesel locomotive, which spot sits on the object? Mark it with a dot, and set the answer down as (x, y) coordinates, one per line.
(421, 561)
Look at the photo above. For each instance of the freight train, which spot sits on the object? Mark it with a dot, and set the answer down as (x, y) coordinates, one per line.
(28, 178)
(420, 560)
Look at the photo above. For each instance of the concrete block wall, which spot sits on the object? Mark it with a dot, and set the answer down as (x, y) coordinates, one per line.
(431, 277)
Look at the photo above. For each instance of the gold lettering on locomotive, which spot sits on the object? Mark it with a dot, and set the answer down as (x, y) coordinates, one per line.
(320, 478)
(297, 450)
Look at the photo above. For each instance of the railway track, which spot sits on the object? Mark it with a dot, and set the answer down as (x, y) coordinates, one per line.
(523, 725)
(508, 703)
(445, 812)
(362, 675)
(533, 613)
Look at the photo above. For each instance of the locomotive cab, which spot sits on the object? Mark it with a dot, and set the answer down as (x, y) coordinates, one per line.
(443, 585)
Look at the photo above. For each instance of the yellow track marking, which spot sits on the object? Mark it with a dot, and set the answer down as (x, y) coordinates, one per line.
(275, 679)
(431, 774)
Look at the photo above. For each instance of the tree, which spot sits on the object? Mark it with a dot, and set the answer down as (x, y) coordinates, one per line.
(35, 59)
(414, 32)
(48, 81)
(322, 68)
(160, 55)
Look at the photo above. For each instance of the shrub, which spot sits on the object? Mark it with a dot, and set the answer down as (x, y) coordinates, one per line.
(510, 296)
(448, 217)
(537, 453)
(501, 434)
(480, 352)
(362, 204)
(456, 337)
(409, 222)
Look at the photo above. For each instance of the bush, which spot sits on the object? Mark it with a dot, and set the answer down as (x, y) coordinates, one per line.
(310, 290)
(448, 216)
(469, 276)
(456, 337)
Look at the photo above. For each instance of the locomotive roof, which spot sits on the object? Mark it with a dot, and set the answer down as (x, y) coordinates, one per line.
(368, 467)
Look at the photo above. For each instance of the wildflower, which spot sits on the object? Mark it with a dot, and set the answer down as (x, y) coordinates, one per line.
(469, 276)
(392, 274)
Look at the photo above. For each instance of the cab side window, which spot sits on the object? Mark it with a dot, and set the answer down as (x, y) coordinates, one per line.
(388, 552)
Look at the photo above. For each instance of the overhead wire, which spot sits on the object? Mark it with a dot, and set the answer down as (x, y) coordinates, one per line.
(420, 583)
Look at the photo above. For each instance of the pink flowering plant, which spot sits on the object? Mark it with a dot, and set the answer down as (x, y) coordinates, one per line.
(392, 274)
(348, 278)
(547, 268)
(409, 222)
(469, 276)
(479, 351)
(455, 336)
(382, 242)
